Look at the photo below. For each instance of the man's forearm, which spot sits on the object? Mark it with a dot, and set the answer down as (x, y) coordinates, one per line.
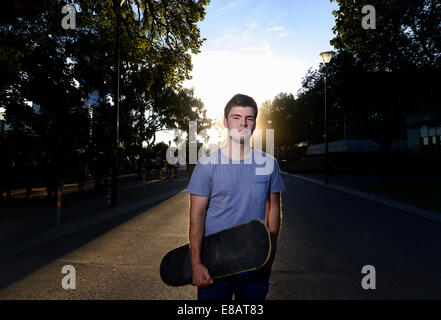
(197, 228)
(273, 222)
(198, 211)
(274, 229)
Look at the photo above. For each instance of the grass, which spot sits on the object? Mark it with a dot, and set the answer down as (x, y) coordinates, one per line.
(426, 196)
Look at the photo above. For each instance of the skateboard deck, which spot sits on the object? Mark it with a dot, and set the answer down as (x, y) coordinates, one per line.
(245, 247)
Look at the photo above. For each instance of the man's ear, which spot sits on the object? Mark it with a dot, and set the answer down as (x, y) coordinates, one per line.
(225, 123)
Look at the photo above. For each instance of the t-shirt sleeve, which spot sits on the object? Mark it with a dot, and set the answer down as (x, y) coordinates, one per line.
(200, 181)
(276, 180)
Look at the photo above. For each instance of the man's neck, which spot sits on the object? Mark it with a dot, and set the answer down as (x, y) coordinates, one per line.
(236, 151)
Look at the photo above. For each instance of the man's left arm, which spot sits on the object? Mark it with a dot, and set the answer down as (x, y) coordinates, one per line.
(273, 222)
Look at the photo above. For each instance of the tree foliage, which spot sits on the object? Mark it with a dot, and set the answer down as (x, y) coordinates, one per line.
(59, 69)
(407, 34)
(384, 74)
(374, 81)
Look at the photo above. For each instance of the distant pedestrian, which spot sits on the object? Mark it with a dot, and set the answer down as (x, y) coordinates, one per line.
(165, 167)
(100, 173)
(149, 167)
(7, 172)
(81, 171)
(176, 166)
(139, 167)
(29, 169)
(169, 168)
(158, 166)
(47, 168)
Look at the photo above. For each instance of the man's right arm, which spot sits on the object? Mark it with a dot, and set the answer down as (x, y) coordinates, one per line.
(198, 210)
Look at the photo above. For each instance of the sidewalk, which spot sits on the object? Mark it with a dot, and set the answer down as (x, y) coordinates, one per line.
(357, 185)
(28, 223)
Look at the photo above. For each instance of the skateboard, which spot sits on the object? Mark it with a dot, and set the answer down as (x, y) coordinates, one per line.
(242, 248)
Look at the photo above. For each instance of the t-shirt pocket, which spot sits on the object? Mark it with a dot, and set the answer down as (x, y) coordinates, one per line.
(259, 188)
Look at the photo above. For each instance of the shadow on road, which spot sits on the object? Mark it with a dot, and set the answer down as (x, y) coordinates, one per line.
(16, 267)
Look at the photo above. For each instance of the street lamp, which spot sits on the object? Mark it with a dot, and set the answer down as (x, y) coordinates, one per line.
(113, 199)
(326, 56)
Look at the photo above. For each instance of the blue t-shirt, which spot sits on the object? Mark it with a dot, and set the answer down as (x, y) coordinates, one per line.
(238, 190)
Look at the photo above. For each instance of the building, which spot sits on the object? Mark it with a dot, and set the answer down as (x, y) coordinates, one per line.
(353, 146)
(424, 135)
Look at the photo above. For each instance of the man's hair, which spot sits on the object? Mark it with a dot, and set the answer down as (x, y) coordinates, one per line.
(240, 100)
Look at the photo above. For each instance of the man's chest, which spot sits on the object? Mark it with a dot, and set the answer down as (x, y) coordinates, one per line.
(240, 181)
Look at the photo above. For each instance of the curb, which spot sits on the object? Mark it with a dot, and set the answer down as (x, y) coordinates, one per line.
(64, 230)
(432, 215)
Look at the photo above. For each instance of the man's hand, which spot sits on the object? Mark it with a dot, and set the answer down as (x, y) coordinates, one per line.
(267, 266)
(201, 277)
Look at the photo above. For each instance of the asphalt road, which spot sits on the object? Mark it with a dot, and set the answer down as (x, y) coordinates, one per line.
(326, 238)
(118, 259)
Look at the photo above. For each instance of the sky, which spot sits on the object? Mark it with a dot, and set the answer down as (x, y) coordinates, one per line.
(259, 48)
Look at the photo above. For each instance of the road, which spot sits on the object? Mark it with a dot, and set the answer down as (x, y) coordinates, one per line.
(326, 238)
(118, 259)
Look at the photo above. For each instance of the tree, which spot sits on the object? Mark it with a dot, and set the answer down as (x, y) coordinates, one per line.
(407, 34)
(157, 38)
(376, 72)
(58, 69)
(276, 115)
(42, 75)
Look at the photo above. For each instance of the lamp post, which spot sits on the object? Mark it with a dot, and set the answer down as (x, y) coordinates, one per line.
(113, 198)
(326, 56)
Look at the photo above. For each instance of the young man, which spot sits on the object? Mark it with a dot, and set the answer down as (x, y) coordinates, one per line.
(232, 186)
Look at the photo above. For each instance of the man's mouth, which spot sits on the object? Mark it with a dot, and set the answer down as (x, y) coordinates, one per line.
(242, 132)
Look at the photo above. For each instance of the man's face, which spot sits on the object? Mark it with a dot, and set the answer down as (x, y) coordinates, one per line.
(240, 123)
